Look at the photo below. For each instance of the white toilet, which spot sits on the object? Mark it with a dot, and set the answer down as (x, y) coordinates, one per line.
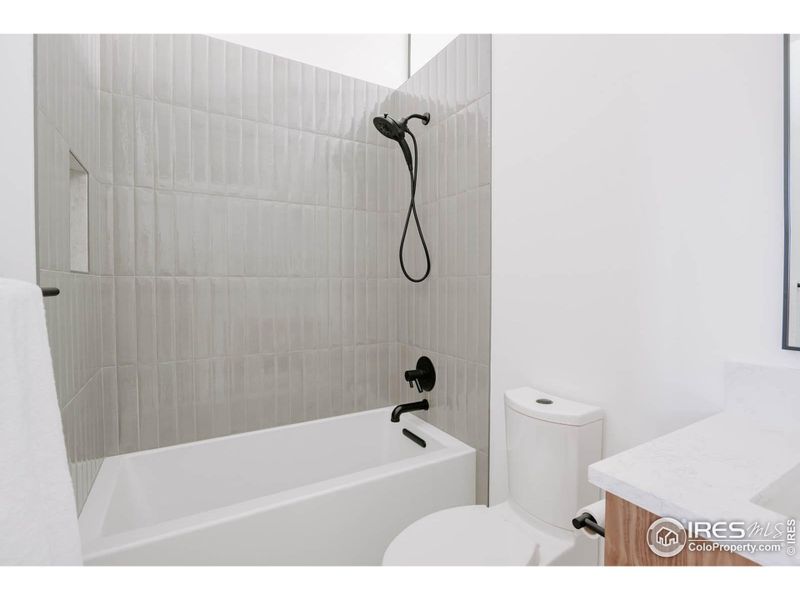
(550, 443)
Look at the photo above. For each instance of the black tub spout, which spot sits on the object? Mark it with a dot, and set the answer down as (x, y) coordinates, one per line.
(411, 406)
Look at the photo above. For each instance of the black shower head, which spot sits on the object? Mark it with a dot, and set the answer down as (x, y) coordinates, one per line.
(393, 130)
(389, 128)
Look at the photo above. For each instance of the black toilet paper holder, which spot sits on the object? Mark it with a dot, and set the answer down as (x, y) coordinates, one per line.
(587, 520)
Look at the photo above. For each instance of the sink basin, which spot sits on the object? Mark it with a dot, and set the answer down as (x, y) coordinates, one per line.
(783, 494)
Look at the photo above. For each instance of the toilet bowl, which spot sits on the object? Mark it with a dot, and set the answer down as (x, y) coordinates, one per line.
(550, 443)
(466, 535)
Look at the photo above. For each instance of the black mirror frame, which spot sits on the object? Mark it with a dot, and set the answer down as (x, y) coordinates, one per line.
(787, 224)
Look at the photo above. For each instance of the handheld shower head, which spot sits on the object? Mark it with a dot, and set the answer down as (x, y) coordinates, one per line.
(393, 130)
(389, 128)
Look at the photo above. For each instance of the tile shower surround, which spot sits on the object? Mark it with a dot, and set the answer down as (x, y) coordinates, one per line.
(245, 217)
(66, 119)
(447, 316)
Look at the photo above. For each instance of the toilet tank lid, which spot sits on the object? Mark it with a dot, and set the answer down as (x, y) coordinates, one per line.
(539, 405)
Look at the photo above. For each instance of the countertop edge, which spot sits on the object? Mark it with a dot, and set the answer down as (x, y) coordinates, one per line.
(653, 504)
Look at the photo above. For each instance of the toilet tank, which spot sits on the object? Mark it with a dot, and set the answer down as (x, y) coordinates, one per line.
(550, 443)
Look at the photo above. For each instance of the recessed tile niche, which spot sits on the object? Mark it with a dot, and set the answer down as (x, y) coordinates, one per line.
(78, 216)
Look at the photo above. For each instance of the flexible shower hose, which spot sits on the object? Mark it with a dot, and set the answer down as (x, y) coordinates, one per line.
(412, 209)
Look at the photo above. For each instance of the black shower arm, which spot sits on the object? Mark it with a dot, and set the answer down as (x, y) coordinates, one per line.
(426, 118)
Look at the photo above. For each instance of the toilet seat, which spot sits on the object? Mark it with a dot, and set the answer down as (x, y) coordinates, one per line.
(467, 535)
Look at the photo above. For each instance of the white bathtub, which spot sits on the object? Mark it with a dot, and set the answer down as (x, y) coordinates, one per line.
(328, 492)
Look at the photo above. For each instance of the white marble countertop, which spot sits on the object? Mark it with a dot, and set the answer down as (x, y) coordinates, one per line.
(709, 471)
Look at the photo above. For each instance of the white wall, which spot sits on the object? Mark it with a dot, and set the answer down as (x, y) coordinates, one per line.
(17, 212)
(637, 224)
(424, 46)
(378, 58)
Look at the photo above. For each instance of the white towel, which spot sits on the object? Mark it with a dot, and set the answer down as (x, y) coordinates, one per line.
(38, 519)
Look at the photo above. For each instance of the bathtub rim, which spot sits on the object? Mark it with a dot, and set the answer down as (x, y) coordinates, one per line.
(96, 545)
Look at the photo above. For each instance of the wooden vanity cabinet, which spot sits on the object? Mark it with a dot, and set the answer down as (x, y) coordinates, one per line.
(626, 541)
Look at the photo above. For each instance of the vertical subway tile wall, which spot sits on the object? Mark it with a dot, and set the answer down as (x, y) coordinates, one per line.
(244, 224)
(447, 316)
(69, 120)
(238, 196)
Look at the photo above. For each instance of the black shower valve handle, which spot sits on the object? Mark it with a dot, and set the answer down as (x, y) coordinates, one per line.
(413, 382)
(412, 377)
(424, 376)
